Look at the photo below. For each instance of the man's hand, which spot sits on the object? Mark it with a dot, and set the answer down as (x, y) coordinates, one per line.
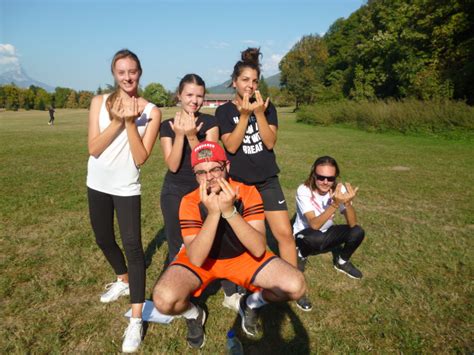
(350, 193)
(227, 197)
(210, 200)
(344, 197)
(337, 196)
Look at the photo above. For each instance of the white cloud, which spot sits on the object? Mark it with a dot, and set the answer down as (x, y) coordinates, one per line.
(217, 45)
(9, 59)
(270, 64)
(250, 42)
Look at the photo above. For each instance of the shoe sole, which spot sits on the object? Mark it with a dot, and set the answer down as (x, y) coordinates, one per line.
(127, 293)
(204, 337)
(130, 350)
(352, 277)
(242, 324)
(304, 309)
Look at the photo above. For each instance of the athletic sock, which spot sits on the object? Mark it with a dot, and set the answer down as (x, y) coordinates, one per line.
(191, 313)
(341, 261)
(255, 300)
(135, 320)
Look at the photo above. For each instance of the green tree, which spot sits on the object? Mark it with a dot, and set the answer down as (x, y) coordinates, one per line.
(42, 98)
(85, 98)
(302, 68)
(72, 100)
(60, 96)
(263, 87)
(11, 97)
(27, 99)
(399, 48)
(280, 97)
(156, 93)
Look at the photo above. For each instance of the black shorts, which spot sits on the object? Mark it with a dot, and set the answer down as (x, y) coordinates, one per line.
(272, 194)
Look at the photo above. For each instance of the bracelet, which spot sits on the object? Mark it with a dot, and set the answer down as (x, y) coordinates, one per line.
(234, 212)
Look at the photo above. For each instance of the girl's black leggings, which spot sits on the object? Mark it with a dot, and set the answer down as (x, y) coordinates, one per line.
(128, 209)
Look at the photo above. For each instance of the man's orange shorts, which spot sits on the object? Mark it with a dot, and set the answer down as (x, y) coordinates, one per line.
(241, 270)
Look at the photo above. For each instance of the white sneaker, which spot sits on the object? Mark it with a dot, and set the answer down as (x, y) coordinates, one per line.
(232, 302)
(114, 291)
(132, 336)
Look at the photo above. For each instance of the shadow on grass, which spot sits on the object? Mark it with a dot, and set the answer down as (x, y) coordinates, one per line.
(153, 246)
(272, 317)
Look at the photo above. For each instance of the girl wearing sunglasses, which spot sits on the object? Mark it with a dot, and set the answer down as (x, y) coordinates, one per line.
(317, 201)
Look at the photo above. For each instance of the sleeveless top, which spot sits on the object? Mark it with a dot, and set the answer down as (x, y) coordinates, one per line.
(114, 172)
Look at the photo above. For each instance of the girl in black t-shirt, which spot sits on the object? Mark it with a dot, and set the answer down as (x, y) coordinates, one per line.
(178, 136)
(248, 128)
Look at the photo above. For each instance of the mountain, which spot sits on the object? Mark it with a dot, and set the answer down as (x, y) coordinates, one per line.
(21, 79)
(272, 81)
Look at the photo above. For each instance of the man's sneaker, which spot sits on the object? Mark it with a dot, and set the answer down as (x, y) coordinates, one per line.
(304, 304)
(349, 269)
(132, 336)
(232, 302)
(249, 317)
(196, 337)
(114, 291)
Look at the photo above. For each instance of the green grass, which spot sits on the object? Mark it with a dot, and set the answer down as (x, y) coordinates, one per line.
(415, 203)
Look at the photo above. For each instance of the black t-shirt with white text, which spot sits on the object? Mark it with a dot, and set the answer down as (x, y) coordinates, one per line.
(252, 162)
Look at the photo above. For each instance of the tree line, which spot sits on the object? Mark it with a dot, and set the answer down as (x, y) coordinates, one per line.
(14, 98)
(421, 49)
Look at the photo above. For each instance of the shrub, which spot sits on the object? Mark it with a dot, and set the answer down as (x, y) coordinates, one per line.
(409, 116)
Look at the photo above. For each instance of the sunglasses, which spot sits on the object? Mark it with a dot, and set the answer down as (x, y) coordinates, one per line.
(322, 177)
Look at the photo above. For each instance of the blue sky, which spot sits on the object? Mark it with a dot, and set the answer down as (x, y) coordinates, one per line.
(70, 43)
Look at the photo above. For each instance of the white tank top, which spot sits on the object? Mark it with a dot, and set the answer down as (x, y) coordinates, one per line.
(114, 172)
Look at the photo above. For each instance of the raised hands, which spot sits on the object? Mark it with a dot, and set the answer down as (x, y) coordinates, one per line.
(185, 124)
(258, 106)
(125, 110)
(344, 197)
(223, 202)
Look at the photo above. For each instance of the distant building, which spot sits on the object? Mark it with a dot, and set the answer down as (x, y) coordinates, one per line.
(215, 100)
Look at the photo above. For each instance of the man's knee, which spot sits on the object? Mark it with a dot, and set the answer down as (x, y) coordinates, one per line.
(165, 299)
(296, 286)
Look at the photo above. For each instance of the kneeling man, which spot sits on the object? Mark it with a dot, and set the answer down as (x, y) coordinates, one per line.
(222, 224)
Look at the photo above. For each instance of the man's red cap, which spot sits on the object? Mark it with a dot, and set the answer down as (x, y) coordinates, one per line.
(207, 151)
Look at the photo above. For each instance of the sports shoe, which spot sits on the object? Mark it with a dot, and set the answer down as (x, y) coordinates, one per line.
(114, 291)
(132, 336)
(349, 269)
(249, 317)
(232, 302)
(196, 337)
(304, 304)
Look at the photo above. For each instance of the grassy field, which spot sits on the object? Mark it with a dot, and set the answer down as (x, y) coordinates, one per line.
(415, 203)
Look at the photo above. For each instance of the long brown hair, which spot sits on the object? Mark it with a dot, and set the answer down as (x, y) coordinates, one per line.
(250, 58)
(324, 160)
(123, 53)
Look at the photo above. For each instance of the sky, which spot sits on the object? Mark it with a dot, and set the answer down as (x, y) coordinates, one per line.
(70, 43)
